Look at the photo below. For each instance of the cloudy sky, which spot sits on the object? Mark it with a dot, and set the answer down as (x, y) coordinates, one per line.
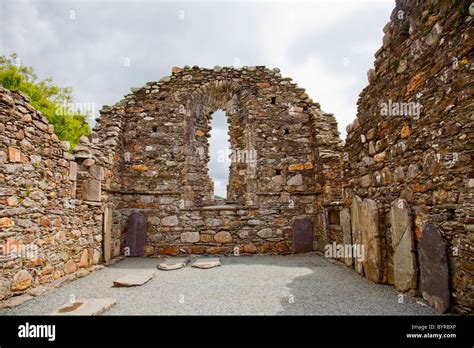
(101, 48)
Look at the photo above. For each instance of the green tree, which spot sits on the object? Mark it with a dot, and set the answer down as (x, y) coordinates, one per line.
(52, 101)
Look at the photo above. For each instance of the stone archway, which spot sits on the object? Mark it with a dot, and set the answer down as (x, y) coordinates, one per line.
(160, 154)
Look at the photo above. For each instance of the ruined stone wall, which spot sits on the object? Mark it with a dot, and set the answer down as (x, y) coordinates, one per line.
(284, 149)
(417, 167)
(46, 231)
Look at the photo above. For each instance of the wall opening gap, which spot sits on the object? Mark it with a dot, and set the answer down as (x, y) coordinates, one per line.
(219, 155)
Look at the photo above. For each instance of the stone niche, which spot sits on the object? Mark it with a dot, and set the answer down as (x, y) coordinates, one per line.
(282, 143)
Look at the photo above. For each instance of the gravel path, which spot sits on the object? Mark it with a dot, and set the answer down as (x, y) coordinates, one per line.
(246, 285)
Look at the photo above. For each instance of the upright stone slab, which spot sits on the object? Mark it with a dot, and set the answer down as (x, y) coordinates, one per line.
(302, 235)
(345, 220)
(107, 234)
(434, 271)
(356, 207)
(369, 226)
(135, 235)
(404, 258)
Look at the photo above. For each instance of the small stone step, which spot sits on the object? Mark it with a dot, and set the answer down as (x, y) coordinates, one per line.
(208, 262)
(173, 263)
(134, 278)
(91, 306)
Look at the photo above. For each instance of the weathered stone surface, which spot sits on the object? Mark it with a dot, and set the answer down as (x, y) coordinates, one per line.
(189, 237)
(356, 229)
(21, 281)
(134, 278)
(70, 267)
(223, 237)
(41, 197)
(91, 190)
(170, 221)
(205, 263)
(369, 227)
(345, 219)
(403, 244)
(6, 222)
(135, 235)
(107, 232)
(84, 261)
(295, 180)
(91, 306)
(302, 235)
(16, 301)
(172, 264)
(5, 291)
(434, 270)
(265, 233)
(422, 134)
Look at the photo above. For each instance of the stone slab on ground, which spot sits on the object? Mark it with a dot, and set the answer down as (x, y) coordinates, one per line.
(90, 306)
(247, 285)
(16, 301)
(173, 263)
(208, 262)
(134, 278)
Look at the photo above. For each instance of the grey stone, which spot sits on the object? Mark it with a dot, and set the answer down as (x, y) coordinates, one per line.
(265, 233)
(189, 237)
(356, 207)
(134, 278)
(369, 226)
(345, 220)
(404, 258)
(91, 190)
(4, 289)
(295, 180)
(205, 263)
(96, 172)
(173, 264)
(170, 221)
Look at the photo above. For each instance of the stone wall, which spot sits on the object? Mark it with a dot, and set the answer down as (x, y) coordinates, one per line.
(417, 167)
(284, 151)
(46, 232)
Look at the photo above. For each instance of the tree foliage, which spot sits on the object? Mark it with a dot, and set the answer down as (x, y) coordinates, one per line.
(52, 101)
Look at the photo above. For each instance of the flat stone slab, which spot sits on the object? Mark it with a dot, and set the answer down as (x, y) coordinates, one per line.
(172, 264)
(90, 306)
(134, 278)
(208, 262)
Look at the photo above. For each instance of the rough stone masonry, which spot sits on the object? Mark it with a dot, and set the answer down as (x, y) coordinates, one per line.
(401, 187)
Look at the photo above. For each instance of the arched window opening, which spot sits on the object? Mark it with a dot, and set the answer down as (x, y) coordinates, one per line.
(219, 152)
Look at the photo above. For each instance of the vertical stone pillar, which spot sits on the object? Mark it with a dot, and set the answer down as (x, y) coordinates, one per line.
(107, 238)
(369, 226)
(345, 219)
(356, 207)
(404, 259)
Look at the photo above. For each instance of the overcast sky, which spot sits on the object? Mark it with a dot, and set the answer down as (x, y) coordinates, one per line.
(101, 48)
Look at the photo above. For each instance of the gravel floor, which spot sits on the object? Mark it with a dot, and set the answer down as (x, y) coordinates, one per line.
(245, 285)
